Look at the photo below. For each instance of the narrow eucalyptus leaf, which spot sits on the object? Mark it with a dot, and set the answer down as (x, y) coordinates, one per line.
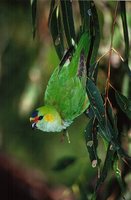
(97, 106)
(85, 12)
(106, 130)
(52, 7)
(124, 103)
(106, 167)
(118, 174)
(111, 117)
(125, 29)
(68, 21)
(33, 9)
(56, 28)
(126, 65)
(92, 142)
(92, 65)
(126, 36)
(96, 31)
(96, 98)
(93, 71)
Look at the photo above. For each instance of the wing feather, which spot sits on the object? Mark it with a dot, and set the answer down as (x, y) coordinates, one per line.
(65, 90)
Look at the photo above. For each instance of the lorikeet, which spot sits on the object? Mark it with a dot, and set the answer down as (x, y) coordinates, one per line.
(65, 96)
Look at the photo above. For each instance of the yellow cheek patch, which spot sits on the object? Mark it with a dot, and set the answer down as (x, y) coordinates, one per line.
(49, 118)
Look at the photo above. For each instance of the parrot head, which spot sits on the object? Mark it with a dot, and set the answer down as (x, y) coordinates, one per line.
(47, 119)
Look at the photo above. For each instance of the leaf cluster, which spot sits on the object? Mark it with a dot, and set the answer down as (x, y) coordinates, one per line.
(102, 121)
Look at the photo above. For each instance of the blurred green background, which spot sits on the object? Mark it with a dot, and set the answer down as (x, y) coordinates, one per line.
(25, 67)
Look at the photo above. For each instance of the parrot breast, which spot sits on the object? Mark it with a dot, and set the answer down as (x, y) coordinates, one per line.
(52, 126)
(51, 121)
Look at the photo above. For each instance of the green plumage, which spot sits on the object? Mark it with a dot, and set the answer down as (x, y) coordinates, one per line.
(65, 96)
(66, 89)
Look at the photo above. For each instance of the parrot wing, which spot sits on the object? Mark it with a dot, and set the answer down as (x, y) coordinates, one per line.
(65, 90)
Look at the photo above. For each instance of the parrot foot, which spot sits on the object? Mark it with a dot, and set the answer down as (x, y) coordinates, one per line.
(67, 135)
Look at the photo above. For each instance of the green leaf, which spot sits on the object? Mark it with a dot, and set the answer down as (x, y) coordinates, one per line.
(126, 36)
(111, 117)
(56, 28)
(34, 8)
(63, 163)
(106, 167)
(126, 65)
(95, 33)
(92, 141)
(52, 7)
(112, 125)
(93, 71)
(106, 130)
(85, 12)
(96, 103)
(118, 174)
(125, 29)
(124, 103)
(92, 65)
(68, 21)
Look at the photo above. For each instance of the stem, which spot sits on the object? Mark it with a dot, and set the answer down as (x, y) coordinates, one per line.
(115, 51)
(118, 54)
(102, 56)
(109, 61)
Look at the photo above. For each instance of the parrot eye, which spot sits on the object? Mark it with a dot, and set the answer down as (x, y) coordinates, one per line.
(35, 113)
(40, 117)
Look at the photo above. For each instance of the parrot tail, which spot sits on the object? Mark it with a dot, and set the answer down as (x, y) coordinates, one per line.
(82, 65)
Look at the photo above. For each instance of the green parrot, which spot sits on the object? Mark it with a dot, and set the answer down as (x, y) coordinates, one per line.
(65, 96)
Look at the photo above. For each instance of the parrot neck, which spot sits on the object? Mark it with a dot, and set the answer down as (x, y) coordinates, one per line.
(66, 124)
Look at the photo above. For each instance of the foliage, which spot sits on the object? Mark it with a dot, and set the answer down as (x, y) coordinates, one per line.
(25, 67)
(103, 121)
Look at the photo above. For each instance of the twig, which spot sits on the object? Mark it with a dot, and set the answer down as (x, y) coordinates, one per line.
(115, 51)
(109, 61)
(118, 54)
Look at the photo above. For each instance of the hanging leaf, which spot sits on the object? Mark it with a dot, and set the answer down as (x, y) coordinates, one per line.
(124, 103)
(93, 71)
(85, 12)
(52, 7)
(95, 33)
(68, 21)
(34, 8)
(56, 28)
(63, 163)
(92, 141)
(106, 130)
(92, 65)
(96, 103)
(89, 113)
(106, 167)
(126, 36)
(118, 174)
(111, 117)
